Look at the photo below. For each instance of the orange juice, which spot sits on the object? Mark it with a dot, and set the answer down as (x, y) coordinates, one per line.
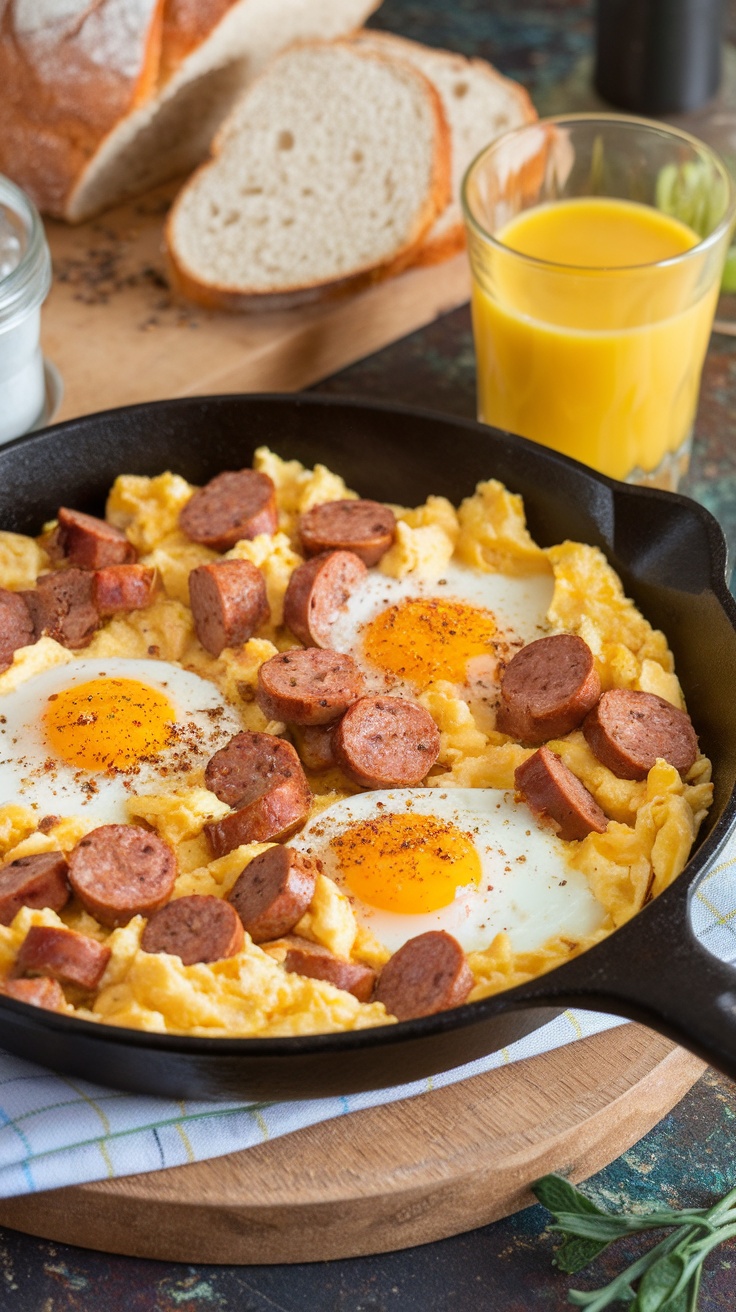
(596, 352)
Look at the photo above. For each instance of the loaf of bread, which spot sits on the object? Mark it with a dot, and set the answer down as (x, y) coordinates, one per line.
(100, 101)
(327, 175)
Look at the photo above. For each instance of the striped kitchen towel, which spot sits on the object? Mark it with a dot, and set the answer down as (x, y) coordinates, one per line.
(57, 1131)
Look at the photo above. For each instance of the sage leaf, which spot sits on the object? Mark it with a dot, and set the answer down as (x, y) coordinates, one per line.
(659, 1282)
(557, 1194)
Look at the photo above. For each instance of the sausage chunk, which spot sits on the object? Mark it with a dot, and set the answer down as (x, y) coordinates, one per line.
(16, 626)
(365, 527)
(62, 606)
(629, 730)
(64, 955)
(307, 686)
(273, 892)
(317, 962)
(428, 974)
(234, 505)
(386, 742)
(314, 745)
(547, 689)
(317, 589)
(37, 992)
(33, 881)
(196, 928)
(262, 777)
(91, 543)
(551, 789)
(120, 871)
(120, 588)
(228, 601)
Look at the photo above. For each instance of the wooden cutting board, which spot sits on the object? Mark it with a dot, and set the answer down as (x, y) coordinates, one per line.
(389, 1177)
(117, 335)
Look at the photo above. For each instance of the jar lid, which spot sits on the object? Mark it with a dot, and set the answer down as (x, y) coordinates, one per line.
(25, 285)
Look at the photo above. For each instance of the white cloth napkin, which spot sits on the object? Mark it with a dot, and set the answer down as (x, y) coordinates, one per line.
(57, 1131)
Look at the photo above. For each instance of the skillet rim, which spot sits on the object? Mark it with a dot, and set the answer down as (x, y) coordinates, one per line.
(484, 1009)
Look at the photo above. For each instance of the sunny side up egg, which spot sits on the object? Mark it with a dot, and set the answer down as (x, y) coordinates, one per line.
(471, 861)
(84, 739)
(407, 633)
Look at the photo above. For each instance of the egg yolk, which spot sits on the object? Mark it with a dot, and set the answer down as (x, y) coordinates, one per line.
(423, 640)
(406, 863)
(108, 724)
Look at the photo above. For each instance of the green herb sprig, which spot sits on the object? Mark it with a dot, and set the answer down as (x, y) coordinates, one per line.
(666, 1278)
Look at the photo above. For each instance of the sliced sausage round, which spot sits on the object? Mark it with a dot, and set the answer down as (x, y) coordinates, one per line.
(314, 745)
(33, 881)
(196, 928)
(628, 731)
(365, 527)
(228, 601)
(262, 777)
(316, 592)
(91, 543)
(547, 689)
(62, 606)
(428, 974)
(16, 626)
(37, 992)
(234, 505)
(273, 892)
(317, 962)
(62, 954)
(386, 742)
(308, 685)
(121, 871)
(117, 589)
(551, 789)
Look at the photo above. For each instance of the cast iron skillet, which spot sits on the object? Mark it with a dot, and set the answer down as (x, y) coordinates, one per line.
(671, 556)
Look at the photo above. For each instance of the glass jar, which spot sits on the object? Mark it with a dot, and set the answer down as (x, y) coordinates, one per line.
(25, 278)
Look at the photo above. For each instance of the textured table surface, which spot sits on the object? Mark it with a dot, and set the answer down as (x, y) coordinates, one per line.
(691, 1155)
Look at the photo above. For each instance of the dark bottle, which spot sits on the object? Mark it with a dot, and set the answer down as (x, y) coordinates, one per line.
(658, 56)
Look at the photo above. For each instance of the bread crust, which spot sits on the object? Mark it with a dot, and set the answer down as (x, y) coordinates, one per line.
(217, 296)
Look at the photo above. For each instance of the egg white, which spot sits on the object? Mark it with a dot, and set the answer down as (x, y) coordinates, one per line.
(32, 775)
(527, 887)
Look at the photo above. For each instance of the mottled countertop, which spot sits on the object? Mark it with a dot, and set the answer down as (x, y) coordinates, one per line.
(690, 1156)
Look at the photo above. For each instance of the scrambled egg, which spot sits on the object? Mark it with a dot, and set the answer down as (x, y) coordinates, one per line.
(652, 826)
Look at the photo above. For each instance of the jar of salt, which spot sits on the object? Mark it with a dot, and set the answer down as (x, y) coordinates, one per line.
(25, 278)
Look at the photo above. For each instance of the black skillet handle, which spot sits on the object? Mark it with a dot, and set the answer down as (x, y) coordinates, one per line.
(654, 970)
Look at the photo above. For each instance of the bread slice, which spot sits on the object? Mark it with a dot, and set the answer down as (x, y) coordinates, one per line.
(479, 105)
(103, 100)
(327, 175)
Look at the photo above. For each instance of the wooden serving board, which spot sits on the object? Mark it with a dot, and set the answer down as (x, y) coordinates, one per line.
(117, 335)
(389, 1177)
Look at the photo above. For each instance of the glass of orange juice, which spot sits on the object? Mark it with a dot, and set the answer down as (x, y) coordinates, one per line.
(596, 247)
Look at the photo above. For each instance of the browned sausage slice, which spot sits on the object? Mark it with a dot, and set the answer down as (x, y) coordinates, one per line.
(307, 685)
(386, 742)
(16, 626)
(234, 505)
(120, 588)
(120, 871)
(91, 543)
(428, 974)
(62, 606)
(37, 992)
(317, 590)
(365, 527)
(33, 881)
(62, 954)
(314, 745)
(551, 789)
(317, 962)
(547, 689)
(273, 892)
(196, 928)
(228, 601)
(262, 777)
(629, 730)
